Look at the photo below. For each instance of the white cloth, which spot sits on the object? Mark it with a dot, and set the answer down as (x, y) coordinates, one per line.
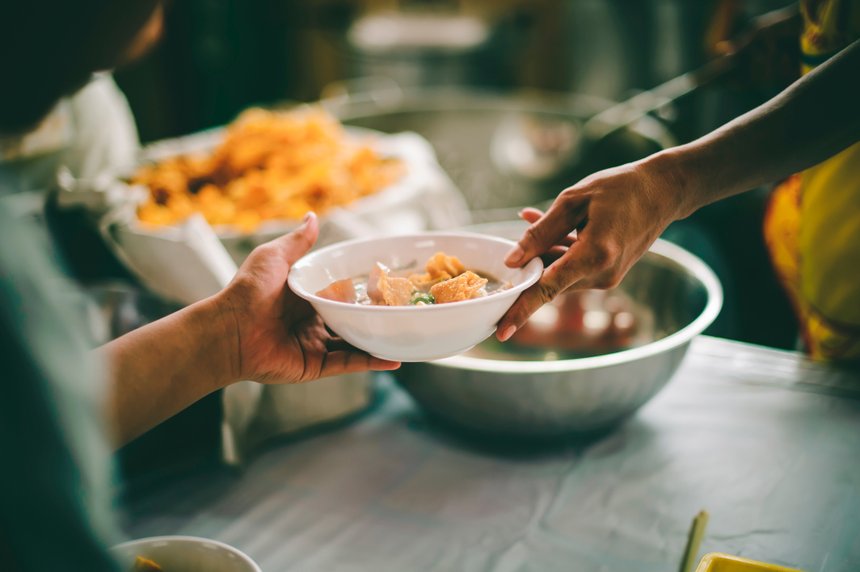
(184, 262)
(91, 133)
(188, 262)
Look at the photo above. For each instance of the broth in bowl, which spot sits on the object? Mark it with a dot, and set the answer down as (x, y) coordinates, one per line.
(475, 291)
(442, 280)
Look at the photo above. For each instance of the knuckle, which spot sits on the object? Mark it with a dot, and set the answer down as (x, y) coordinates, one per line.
(567, 195)
(533, 234)
(604, 254)
(548, 291)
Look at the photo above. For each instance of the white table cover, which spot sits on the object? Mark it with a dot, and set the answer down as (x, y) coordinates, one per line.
(766, 441)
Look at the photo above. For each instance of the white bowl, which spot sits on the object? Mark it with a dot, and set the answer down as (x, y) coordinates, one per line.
(410, 333)
(186, 554)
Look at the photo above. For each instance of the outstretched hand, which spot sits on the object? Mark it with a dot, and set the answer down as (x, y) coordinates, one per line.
(590, 236)
(279, 336)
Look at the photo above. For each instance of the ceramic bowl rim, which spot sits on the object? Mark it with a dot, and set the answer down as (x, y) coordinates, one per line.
(192, 540)
(533, 270)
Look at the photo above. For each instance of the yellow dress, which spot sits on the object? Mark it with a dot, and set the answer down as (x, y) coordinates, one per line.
(812, 226)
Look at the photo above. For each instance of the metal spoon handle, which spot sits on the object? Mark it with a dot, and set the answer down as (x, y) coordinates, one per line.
(623, 114)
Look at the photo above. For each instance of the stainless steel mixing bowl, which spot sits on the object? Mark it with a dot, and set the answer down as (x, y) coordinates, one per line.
(582, 364)
(471, 133)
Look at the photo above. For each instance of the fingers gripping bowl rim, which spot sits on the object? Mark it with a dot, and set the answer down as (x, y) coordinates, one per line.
(412, 333)
(697, 269)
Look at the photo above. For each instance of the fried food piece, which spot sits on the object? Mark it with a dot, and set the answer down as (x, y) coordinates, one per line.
(395, 291)
(373, 290)
(440, 266)
(466, 286)
(269, 166)
(142, 564)
(423, 281)
(339, 291)
(386, 290)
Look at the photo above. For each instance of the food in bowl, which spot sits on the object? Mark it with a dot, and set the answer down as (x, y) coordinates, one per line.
(444, 280)
(412, 332)
(142, 564)
(182, 554)
(270, 165)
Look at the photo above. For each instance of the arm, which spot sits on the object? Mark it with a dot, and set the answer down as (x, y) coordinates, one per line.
(160, 369)
(626, 208)
(254, 329)
(815, 118)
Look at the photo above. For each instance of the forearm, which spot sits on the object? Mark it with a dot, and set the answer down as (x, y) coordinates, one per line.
(160, 369)
(810, 121)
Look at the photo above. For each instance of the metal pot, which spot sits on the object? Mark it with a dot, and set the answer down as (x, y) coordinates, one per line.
(632, 340)
(466, 126)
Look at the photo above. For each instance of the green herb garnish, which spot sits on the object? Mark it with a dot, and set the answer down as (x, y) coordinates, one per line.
(422, 298)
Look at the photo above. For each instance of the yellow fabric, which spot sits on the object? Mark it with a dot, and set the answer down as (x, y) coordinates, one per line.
(813, 223)
(824, 338)
(829, 240)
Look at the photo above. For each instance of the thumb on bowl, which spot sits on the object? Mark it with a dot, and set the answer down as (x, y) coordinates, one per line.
(298, 242)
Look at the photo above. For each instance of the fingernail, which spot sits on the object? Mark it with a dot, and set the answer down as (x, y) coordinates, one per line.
(506, 333)
(515, 255)
(308, 216)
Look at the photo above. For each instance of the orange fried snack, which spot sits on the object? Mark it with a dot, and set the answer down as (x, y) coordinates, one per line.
(269, 166)
(466, 286)
(395, 291)
(439, 267)
(142, 564)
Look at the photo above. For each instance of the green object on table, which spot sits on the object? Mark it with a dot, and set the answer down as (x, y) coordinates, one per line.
(694, 541)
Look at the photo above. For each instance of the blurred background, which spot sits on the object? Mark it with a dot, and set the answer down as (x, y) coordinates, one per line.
(456, 72)
(218, 57)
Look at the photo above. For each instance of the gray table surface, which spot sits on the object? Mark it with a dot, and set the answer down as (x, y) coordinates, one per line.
(766, 441)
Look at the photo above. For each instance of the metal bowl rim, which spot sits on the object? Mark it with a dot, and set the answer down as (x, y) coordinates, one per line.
(691, 263)
(410, 99)
(413, 99)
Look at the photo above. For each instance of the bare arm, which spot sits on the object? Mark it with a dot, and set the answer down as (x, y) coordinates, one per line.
(160, 369)
(815, 118)
(626, 208)
(254, 329)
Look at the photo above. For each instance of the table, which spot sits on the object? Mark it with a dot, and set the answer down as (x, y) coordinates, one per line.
(766, 441)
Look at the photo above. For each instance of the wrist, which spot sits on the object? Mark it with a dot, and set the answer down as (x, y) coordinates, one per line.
(674, 180)
(218, 326)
